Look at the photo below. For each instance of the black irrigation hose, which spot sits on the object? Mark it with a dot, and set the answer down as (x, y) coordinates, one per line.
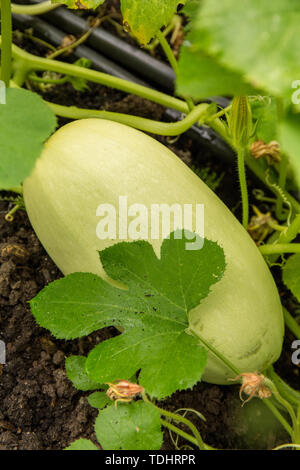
(53, 35)
(132, 58)
(202, 135)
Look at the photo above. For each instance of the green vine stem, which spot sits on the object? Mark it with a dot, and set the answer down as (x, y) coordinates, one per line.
(180, 419)
(279, 248)
(6, 45)
(168, 51)
(284, 389)
(35, 63)
(296, 426)
(291, 323)
(178, 431)
(32, 10)
(283, 167)
(243, 185)
(237, 372)
(148, 125)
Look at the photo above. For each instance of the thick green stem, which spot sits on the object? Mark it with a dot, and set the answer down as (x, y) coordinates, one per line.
(6, 45)
(243, 185)
(35, 63)
(279, 248)
(148, 125)
(32, 10)
(287, 392)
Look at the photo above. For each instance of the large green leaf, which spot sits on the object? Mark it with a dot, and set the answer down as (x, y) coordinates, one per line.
(25, 123)
(145, 18)
(153, 311)
(254, 38)
(129, 427)
(290, 140)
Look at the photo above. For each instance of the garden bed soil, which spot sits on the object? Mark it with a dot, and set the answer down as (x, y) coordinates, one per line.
(39, 407)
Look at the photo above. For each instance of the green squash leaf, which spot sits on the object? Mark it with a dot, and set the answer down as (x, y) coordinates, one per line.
(25, 123)
(146, 18)
(82, 444)
(254, 38)
(129, 427)
(291, 275)
(289, 128)
(153, 311)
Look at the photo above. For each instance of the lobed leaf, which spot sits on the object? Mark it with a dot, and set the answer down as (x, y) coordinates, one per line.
(153, 311)
(254, 39)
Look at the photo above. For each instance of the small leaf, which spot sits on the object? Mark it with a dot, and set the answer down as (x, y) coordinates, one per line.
(291, 275)
(25, 123)
(146, 18)
(129, 427)
(99, 400)
(82, 444)
(79, 83)
(153, 311)
(75, 367)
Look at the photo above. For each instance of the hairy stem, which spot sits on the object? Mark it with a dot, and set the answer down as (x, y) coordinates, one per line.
(281, 182)
(243, 185)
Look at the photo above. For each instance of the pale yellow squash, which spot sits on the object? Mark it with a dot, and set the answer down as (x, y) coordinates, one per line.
(90, 162)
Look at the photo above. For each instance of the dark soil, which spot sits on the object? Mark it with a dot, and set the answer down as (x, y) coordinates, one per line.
(39, 407)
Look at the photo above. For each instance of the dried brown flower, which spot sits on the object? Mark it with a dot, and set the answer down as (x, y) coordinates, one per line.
(271, 151)
(253, 384)
(123, 391)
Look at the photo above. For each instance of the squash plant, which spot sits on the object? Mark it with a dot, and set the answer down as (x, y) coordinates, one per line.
(183, 314)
